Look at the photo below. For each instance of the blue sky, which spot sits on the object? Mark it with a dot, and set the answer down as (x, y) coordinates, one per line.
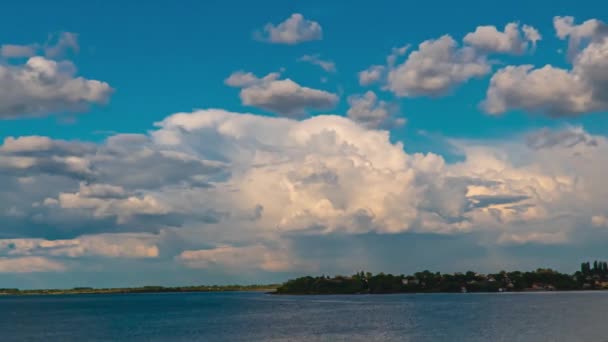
(163, 58)
(98, 167)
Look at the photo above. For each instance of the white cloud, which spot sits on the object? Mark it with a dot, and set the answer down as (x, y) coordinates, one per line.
(436, 68)
(294, 30)
(123, 209)
(29, 265)
(490, 40)
(241, 79)
(81, 188)
(242, 182)
(65, 41)
(548, 90)
(287, 97)
(578, 35)
(43, 86)
(326, 174)
(101, 191)
(371, 75)
(553, 91)
(18, 51)
(326, 65)
(62, 162)
(440, 65)
(378, 73)
(531, 34)
(565, 138)
(32, 145)
(396, 52)
(102, 245)
(57, 46)
(371, 112)
(533, 237)
(284, 97)
(216, 178)
(239, 258)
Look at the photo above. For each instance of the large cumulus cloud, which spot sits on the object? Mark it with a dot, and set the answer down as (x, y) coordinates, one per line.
(212, 184)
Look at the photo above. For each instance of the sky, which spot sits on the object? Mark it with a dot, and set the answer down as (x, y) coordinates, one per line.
(237, 142)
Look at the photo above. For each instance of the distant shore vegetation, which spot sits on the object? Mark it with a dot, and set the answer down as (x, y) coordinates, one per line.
(591, 276)
(143, 289)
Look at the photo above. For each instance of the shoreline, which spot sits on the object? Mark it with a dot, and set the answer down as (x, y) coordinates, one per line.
(434, 293)
(590, 277)
(138, 290)
(272, 291)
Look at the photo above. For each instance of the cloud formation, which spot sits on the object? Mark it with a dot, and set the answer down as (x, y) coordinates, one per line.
(592, 29)
(326, 65)
(566, 138)
(43, 86)
(294, 30)
(533, 237)
(371, 112)
(102, 245)
(64, 43)
(214, 190)
(29, 265)
(553, 91)
(281, 96)
(220, 188)
(18, 51)
(371, 75)
(436, 68)
(56, 47)
(511, 41)
(259, 257)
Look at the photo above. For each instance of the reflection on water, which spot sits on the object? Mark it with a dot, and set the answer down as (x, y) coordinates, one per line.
(575, 316)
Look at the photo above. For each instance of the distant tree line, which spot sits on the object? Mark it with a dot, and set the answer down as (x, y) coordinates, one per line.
(590, 277)
(599, 268)
(143, 289)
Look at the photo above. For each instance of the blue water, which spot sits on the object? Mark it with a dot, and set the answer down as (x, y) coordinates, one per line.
(569, 317)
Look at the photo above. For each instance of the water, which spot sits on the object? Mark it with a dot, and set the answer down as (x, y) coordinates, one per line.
(259, 317)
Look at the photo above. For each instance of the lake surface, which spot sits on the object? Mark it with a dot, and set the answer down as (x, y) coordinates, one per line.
(581, 316)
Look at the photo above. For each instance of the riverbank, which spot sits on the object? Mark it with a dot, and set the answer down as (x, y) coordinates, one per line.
(543, 279)
(144, 289)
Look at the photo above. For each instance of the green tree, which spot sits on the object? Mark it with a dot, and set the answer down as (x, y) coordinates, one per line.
(595, 269)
